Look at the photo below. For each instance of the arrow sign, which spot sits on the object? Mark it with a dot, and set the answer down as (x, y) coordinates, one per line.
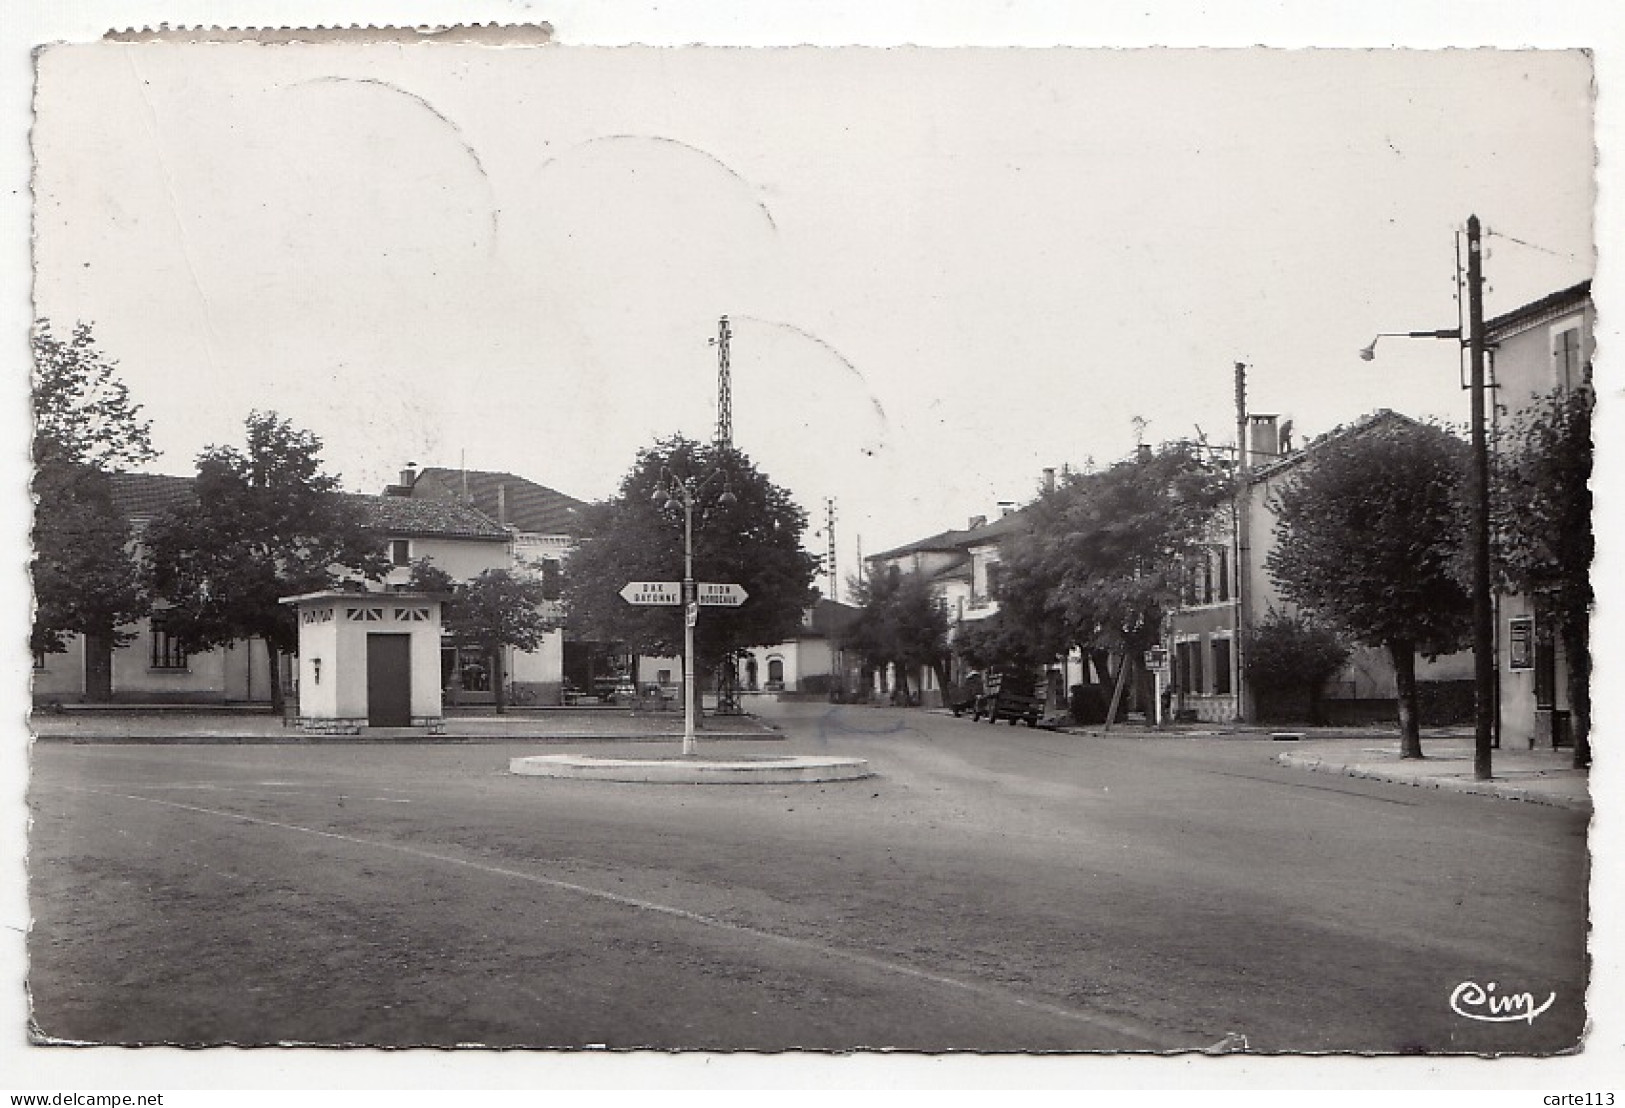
(714, 595)
(653, 592)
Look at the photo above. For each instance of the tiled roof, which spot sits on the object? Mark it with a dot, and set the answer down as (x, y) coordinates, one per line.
(144, 495)
(140, 496)
(525, 505)
(411, 517)
(831, 616)
(1358, 427)
(1563, 299)
(960, 540)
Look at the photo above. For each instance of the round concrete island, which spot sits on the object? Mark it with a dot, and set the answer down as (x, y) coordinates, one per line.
(681, 770)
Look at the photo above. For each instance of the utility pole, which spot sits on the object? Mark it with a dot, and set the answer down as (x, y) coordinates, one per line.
(1483, 604)
(1243, 619)
(725, 401)
(1483, 600)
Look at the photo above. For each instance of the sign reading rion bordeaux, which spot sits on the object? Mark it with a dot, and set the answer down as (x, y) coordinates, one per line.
(721, 595)
(653, 592)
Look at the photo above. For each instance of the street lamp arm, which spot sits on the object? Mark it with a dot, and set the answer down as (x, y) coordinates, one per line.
(686, 490)
(1369, 351)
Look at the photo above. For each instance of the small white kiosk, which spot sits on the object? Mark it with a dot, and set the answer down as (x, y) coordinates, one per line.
(368, 659)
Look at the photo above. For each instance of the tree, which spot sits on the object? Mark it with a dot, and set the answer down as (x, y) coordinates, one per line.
(83, 414)
(266, 522)
(498, 609)
(1370, 538)
(900, 623)
(1542, 526)
(1293, 655)
(1102, 560)
(997, 642)
(754, 541)
(86, 579)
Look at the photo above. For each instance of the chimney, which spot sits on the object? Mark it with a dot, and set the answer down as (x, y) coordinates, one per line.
(1006, 507)
(409, 477)
(502, 505)
(1143, 452)
(1266, 442)
(975, 522)
(1049, 478)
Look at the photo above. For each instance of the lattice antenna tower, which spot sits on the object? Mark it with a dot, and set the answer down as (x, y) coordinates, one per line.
(829, 554)
(725, 399)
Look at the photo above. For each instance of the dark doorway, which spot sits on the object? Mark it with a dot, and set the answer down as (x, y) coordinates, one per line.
(389, 680)
(98, 668)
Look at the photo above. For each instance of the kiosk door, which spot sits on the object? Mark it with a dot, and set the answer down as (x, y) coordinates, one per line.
(389, 680)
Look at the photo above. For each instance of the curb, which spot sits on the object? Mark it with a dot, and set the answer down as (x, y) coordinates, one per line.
(1498, 790)
(298, 738)
(687, 771)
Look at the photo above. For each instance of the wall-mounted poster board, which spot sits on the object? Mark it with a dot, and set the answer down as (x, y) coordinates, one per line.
(1521, 642)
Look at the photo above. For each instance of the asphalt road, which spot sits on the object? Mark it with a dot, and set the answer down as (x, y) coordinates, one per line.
(991, 889)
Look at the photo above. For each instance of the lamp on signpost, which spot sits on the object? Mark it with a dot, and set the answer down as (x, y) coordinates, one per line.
(1483, 603)
(673, 492)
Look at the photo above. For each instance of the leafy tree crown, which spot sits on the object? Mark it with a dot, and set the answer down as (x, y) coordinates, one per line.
(1370, 534)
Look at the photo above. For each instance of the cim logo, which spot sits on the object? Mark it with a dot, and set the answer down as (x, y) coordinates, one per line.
(1473, 1001)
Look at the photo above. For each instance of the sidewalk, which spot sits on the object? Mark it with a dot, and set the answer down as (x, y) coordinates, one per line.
(553, 725)
(1535, 776)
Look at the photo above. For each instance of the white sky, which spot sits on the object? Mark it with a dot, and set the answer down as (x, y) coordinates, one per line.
(1014, 255)
(947, 269)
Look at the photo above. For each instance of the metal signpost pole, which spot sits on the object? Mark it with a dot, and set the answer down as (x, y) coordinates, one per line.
(691, 611)
(672, 492)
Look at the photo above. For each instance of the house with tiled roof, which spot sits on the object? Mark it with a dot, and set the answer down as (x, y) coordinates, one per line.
(961, 565)
(962, 568)
(812, 661)
(1227, 582)
(156, 667)
(541, 526)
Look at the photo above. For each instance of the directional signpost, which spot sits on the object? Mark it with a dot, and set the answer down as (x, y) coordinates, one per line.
(691, 595)
(653, 593)
(721, 595)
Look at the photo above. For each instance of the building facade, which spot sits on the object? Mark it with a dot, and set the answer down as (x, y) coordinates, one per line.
(1539, 348)
(156, 666)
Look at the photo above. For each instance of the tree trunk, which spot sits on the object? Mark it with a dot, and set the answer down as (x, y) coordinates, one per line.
(273, 660)
(1403, 652)
(1145, 686)
(940, 667)
(1577, 650)
(99, 668)
(499, 679)
(1102, 660)
(1117, 693)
